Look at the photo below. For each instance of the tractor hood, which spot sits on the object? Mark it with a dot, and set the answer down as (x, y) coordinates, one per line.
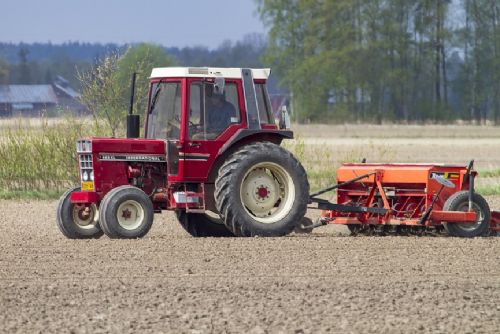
(128, 149)
(107, 163)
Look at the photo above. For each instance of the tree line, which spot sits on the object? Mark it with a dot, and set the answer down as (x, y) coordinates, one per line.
(387, 60)
(39, 63)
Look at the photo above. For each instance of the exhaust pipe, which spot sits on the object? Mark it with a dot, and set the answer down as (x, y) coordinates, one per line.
(133, 121)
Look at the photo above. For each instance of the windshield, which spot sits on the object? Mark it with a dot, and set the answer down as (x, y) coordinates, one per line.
(164, 117)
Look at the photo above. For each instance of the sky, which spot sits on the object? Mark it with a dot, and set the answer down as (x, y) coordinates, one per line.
(169, 22)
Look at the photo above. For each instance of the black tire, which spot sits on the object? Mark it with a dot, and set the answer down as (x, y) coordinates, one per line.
(268, 163)
(202, 225)
(135, 203)
(354, 229)
(460, 202)
(305, 226)
(66, 220)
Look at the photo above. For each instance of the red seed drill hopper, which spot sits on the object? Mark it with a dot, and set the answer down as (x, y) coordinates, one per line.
(408, 198)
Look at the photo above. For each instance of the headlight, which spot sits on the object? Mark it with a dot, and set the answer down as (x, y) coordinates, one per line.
(85, 176)
(92, 176)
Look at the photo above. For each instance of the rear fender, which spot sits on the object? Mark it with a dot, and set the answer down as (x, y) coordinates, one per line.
(243, 137)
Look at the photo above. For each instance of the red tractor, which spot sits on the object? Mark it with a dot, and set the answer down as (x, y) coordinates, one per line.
(211, 153)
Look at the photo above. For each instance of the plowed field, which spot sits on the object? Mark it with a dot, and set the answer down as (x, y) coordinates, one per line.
(170, 282)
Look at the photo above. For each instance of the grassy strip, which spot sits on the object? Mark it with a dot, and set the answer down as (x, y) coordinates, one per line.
(29, 194)
(42, 158)
(488, 190)
(489, 173)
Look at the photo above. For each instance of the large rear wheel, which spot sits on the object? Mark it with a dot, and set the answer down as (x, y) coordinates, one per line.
(202, 225)
(460, 202)
(77, 221)
(262, 190)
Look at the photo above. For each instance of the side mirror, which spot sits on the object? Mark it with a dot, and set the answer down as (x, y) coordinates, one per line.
(284, 119)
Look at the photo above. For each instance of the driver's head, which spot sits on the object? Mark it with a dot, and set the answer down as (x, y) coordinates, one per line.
(214, 98)
(217, 99)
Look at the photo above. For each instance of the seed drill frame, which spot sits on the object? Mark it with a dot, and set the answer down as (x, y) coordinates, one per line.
(412, 196)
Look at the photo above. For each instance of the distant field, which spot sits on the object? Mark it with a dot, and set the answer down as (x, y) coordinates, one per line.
(407, 144)
(27, 122)
(326, 146)
(396, 131)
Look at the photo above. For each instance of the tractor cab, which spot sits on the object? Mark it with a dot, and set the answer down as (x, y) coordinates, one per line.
(198, 111)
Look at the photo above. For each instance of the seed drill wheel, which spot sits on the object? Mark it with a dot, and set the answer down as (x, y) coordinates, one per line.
(261, 190)
(77, 221)
(460, 202)
(126, 212)
(202, 225)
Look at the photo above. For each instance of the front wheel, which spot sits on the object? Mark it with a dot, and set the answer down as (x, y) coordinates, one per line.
(262, 190)
(126, 212)
(77, 221)
(460, 202)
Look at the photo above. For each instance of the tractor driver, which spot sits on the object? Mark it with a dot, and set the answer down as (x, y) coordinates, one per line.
(219, 113)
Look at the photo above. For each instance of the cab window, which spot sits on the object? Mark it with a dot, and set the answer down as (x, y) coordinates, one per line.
(265, 113)
(165, 115)
(210, 113)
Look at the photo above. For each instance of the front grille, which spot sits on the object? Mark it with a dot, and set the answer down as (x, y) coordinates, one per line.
(84, 150)
(85, 161)
(86, 167)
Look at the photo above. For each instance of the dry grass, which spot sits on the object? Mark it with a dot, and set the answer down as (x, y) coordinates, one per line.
(39, 156)
(28, 147)
(322, 148)
(321, 159)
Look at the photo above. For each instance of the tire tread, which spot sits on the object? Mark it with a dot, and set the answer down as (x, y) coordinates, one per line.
(453, 202)
(225, 189)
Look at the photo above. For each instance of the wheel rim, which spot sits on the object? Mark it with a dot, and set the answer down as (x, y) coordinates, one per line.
(480, 217)
(86, 217)
(267, 192)
(130, 215)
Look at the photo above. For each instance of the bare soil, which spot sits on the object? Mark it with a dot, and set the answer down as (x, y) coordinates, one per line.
(170, 282)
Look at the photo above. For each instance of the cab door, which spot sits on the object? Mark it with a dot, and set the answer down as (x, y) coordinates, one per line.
(165, 122)
(203, 141)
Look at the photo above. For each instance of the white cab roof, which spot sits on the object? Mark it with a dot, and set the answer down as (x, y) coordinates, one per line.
(226, 72)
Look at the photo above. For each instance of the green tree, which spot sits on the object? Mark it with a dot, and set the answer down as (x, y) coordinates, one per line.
(106, 86)
(24, 68)
(478, 82)
(140, 59)
(100, 94)
(4, 72)
(360, 60)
